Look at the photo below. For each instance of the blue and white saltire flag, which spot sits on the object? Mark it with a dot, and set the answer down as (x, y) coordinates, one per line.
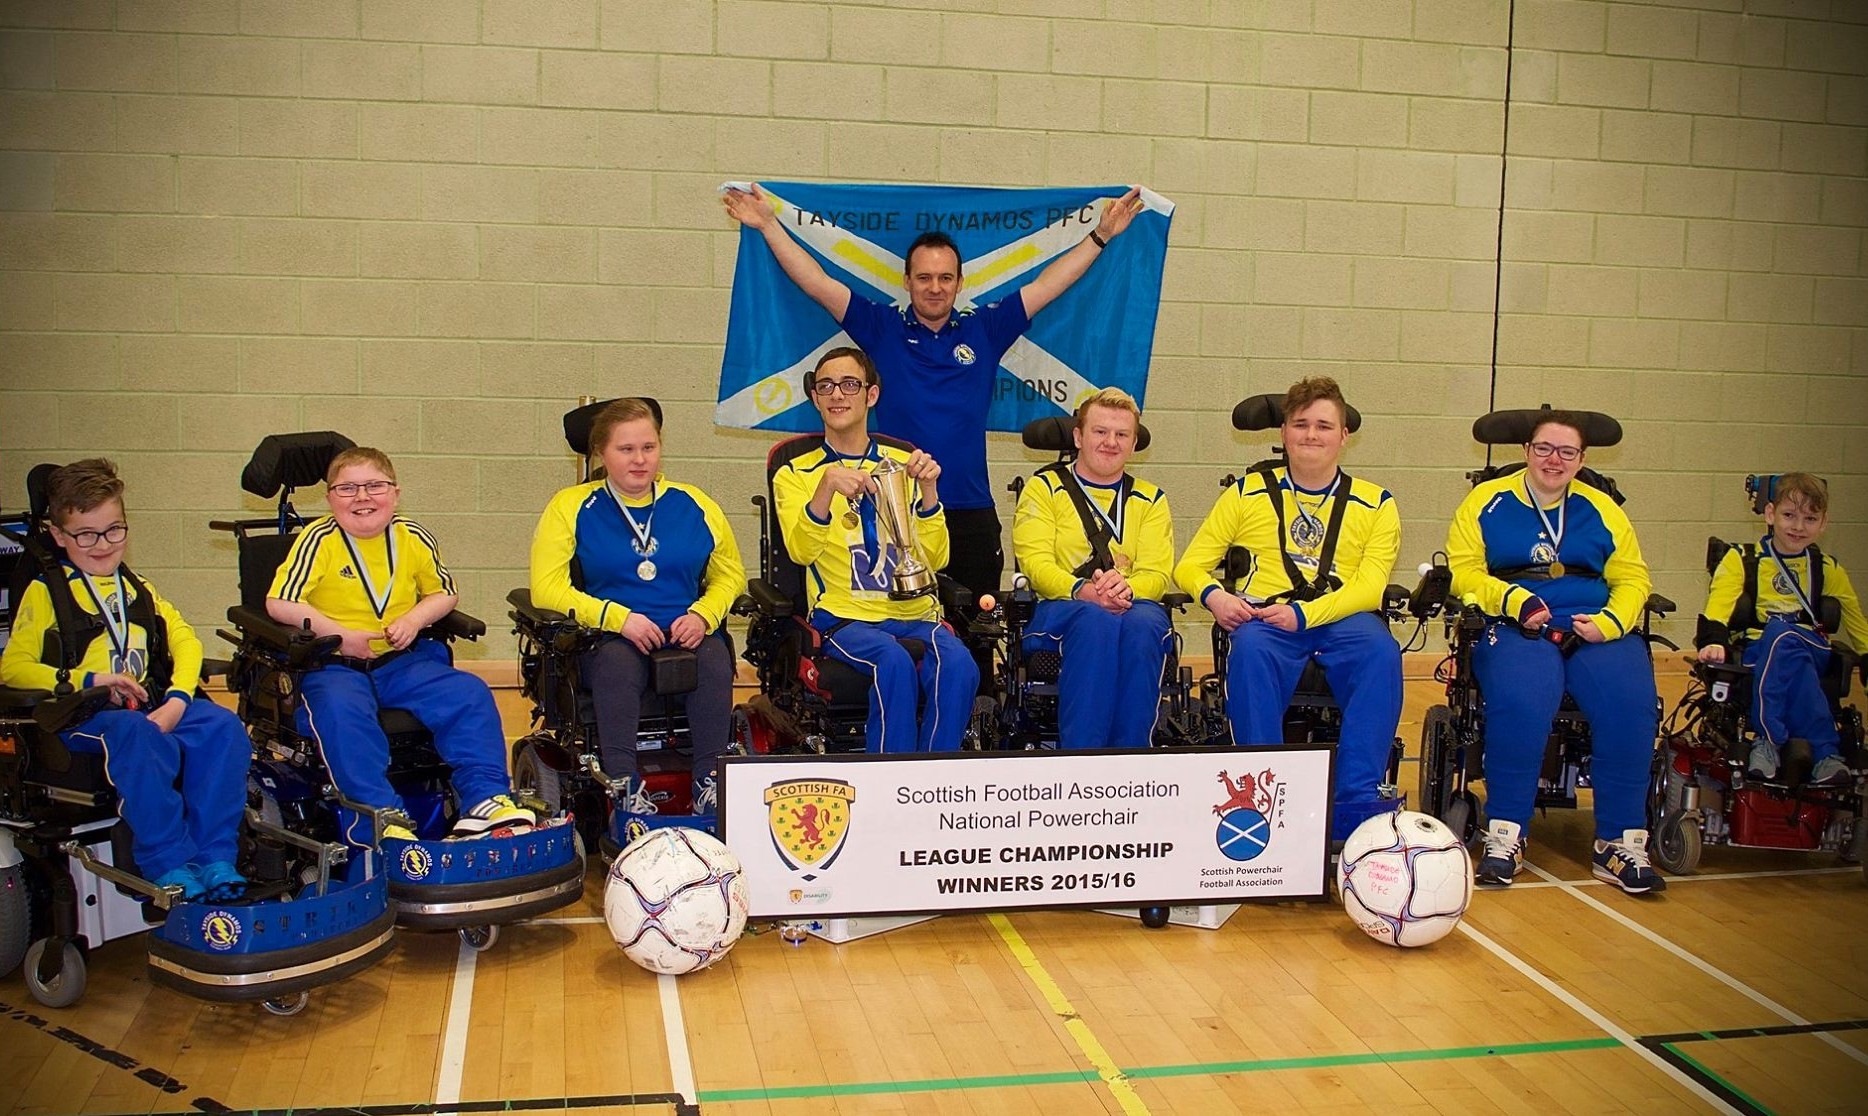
(1099, 333)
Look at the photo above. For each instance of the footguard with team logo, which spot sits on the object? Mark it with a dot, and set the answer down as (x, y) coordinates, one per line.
(484, 881)
(243, 952)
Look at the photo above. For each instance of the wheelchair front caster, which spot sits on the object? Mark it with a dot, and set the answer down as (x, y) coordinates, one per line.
(63, 989)
(287, 1005)
(1678, 844)
(479, 938)
(1154, 918)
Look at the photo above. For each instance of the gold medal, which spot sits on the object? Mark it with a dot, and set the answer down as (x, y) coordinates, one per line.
(849, 518)
(1556, 569)
(1124, 562)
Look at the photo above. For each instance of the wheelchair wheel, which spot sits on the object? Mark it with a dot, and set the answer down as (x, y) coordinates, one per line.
(63, 990)
(1678, 844)
(1436, 764)
(529, 771)
(1462, 816)
(479, 938)
(15, 918)
(287, 1005)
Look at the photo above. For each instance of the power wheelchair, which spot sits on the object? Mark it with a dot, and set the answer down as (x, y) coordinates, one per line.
(300, 923)
(1313, 715)
(1453, 731)
(559, 759)
(1026, 681)
(808, 701)
(1701, 793)
(472, 886)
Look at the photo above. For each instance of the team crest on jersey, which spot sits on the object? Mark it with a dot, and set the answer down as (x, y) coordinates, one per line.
(964, 354)
(415, 862)
(1783, 585)
(1543, 553)
(809, 819)
(1307, 531)
(221, 930)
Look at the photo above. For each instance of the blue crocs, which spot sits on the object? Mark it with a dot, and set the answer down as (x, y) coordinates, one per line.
(185, 878)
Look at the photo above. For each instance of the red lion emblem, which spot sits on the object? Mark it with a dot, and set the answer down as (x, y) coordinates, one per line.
(808, 822)
(1247, 792)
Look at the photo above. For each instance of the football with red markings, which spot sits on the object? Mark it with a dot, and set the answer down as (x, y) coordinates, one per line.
(676, 900)
(1404, 878)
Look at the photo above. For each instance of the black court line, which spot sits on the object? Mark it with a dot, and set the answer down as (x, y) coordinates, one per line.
(1668, 1048)
(148, 1075)
(428, 1108)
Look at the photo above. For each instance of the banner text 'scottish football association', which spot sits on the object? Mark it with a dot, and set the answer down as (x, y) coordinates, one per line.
(1099, 333)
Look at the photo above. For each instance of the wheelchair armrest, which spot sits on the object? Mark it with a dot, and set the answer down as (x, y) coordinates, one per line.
(12, 697)
(211, 668)
(1394, 600)
(1176, 601)
(1659, 605)
(457, 625)
(767, 599)
(61, 712)
(524, 609)
(299, 646)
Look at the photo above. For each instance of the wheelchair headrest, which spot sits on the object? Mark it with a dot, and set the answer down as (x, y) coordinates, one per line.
(291, 461)
(1052, 435)
(1266, 412)
(38, 479)
(1515, 427)
(577, 423)
(800, 444)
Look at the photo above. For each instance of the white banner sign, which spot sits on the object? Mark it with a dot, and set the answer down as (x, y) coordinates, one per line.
(856, 835)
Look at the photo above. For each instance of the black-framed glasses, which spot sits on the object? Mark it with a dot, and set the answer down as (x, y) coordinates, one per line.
(349, 490)
(847, 387)
(113, 534)
(1563, 453)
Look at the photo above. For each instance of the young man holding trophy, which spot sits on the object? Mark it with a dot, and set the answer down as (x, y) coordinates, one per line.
(865, 521)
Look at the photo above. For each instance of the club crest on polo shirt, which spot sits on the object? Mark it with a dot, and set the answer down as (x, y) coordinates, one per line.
(964, 354)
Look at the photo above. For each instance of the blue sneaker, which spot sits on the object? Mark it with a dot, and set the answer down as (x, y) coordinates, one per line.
(184, 878)
(1504, 854)
(706, 796)
(1624, 863)
(222, 880)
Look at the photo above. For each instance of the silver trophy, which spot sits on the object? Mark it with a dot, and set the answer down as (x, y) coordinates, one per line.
(895, 504)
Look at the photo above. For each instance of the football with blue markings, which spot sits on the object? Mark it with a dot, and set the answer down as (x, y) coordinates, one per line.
(1404, 878)
(676, 900)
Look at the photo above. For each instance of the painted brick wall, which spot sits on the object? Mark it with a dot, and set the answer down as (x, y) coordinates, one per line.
(433, 225)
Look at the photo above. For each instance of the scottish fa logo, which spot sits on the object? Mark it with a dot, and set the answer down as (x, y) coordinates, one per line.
(415, 862)
(1248, 815)
(808, 820)
(221, 930)
(964, 354)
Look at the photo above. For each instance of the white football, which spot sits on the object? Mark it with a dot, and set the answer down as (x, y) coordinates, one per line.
(676, 900)
(1404, 878)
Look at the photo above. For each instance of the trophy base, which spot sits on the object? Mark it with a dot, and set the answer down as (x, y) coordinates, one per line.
(897, 593)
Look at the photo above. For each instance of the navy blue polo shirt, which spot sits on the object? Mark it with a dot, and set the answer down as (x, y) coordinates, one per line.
(937, 386)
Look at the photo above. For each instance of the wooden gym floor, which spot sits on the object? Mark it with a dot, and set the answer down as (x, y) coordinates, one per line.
(1743, 989)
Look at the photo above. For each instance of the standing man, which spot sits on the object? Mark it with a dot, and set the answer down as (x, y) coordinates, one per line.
(1098, 546)
(827, 516)
(1322, 545)
(940, 364)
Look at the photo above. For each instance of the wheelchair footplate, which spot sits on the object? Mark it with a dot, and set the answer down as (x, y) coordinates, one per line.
(626, 828)
(484, 881)
(241, 952)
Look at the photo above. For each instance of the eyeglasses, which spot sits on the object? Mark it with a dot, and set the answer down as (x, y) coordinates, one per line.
(348, 490)
(112, 534)
(847, 387)
(1564, 453)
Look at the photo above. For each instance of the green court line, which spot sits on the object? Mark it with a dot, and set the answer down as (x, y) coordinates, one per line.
(1736, 1091)
(1201, 1069)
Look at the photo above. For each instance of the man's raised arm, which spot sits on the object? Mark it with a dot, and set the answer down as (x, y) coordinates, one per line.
(1069, 267)
(755, 211)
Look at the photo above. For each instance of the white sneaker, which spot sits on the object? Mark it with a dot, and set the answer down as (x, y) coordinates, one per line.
(1831, 772)
(1504, 854)
(1763, 761)
(635, 799)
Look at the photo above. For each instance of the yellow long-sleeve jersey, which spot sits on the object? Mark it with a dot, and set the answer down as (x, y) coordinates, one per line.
(21, 666)
(1775, 595)
(1050, 543)
(847, 560)
(1246, 516)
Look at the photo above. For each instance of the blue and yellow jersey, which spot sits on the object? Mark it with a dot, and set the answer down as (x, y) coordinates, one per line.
(20, 665)
(1496, 528)
(847, 560)
(1049, 540)
(1245, 516)
(1776, 595)
(321, 570)
(695, 558)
